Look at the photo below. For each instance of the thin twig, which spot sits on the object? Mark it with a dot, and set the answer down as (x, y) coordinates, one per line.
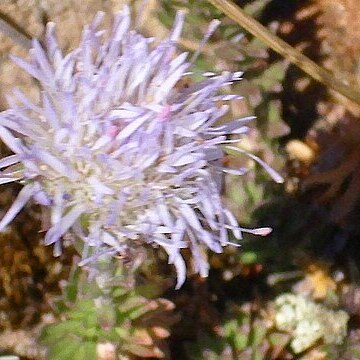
(294, 56)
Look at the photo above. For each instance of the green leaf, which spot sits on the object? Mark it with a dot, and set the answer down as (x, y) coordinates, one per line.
(123, 333)
(240, 341)
(63, 350)
(132, 308)
(91, 333)
(91, 321)
(52, 333)
(230, 328)
(71, 289)
(83, 308)
(86, 351)
(257, 334)
(120, 292)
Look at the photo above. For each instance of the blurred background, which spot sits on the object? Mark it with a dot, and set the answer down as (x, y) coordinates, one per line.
(294, 294)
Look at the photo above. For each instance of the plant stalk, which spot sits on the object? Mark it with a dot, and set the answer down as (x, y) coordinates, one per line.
(318, 73)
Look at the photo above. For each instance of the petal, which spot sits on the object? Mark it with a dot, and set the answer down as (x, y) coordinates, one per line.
(123, 24)
(165, 214)
(59, 229)
(9, 160)
(258, 231)
(7, 180)
(25, 101)
(99, 186)
(42, 60)
(23, 197)
(231, 218)
(131, 128)
(178, 25)
(210, 30)
(186, 159)
(189, 215)
(29, 68)
(275, 175)
(52, 44)
(54, 163)
(10, 140)
(208, 239)
(179, 263)
(49, 112)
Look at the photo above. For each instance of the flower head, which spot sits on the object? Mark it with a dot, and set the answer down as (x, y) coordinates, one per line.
(119, 151)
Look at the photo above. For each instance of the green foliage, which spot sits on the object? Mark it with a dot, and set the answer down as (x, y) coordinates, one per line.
(90, 316)
(244, 335)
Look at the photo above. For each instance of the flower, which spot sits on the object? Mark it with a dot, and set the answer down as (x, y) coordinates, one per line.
(119, 151)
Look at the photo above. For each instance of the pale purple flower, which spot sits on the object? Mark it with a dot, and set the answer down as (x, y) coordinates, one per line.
(118, 151)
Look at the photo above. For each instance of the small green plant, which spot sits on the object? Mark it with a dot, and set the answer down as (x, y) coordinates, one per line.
(95, 319)
(244, 335)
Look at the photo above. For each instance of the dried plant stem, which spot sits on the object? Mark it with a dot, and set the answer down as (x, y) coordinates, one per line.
(8, 28)
(294, 56)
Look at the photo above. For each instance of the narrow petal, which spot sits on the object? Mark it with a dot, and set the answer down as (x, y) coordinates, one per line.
(42, 59)
(10, 140)
(23, 197)
(131, 128)
(165, 215)
(25, 101)
(179, 263)
(49, 112)
(55, 163)
(189, 215)
(187, 159)
(275, 175)
(99, 186)
(178, 25)
(210, 242)
(259, 231)
(9, 160)
(111, 241)
(231, 218)
(124, 24)
(59, 229)
(29, 68)
(52, 44)
(210, 30)
(239, 172)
